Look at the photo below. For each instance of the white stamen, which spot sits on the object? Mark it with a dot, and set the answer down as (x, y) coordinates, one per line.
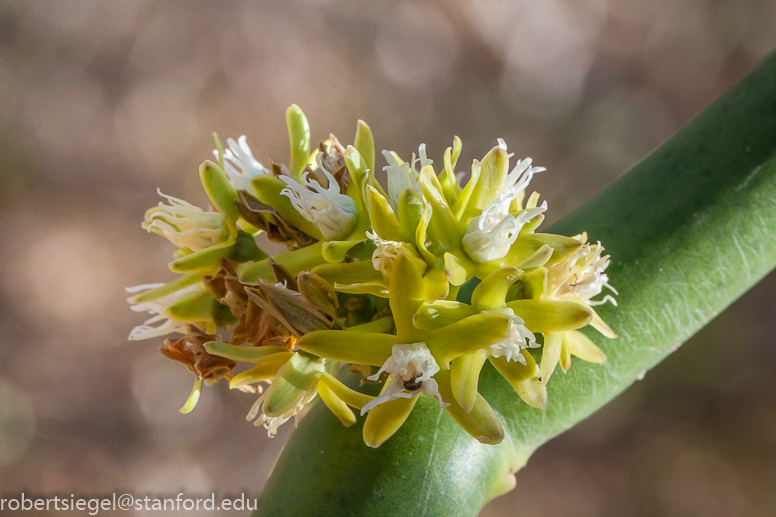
(408, 363)
(491, 234)
(333, 213)
(405, 176)
(186, 225)
(581, 275)
(503, 145)
(518, 338)
(272, 423)
(142, 287)
(158, 309)
(239, 164)
(384, 255)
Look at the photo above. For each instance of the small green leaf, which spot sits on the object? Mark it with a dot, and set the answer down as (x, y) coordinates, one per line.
(245, 249)
(379, 289)
(553, 343)
(337, 251)
(551, 315)
(405, 292)
(383, 217)
(293, 381)
(468, 335)
(420, 236)
(191, 403)
(516, 372)
(384, 420)
(447, 179)
(360, 175)
(435, 285)
(443, 225)
(457, 147)
(598, 323)
(365, 144)
(168, 288)
(455, 269)
(565, 355)
(194, 308)
(534, 283)
(579, 345)
(221, 193)
(351, 347)
(493, 174)
(410, 208)
(336, 405)
(481, 422)
(465, 376)
(380, 325)
(266, 368)
(461, 203)
(299, 140)
(537, 259)
(562, 246)
(533, 392)
(204, 261)
(348, 272)
(441, 313)
(491, 293)
(348, 396)
(268, 189)
(303, 259)
(247, 354)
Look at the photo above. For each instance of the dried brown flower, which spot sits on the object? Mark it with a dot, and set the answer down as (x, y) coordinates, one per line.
(189, 350)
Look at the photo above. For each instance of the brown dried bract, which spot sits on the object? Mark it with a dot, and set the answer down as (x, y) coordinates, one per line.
(266, 218)
(190, 351)
(334, 160)
(288, 307)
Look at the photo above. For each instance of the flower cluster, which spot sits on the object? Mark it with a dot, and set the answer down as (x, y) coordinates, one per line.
(414, 287)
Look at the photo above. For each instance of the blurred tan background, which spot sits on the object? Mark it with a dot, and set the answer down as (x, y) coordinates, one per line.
(103, 101)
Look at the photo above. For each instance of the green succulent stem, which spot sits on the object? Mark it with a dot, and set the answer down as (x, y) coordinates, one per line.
(690, 228)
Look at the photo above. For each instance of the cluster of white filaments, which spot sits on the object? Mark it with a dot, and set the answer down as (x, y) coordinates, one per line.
(272, 423)
(491, 234)
(517, 339)
(332, 212)
(581, 275)
(158, 310)
(406, 175)
(186, 225)
(239, 164)
(386, 252)
(411, 369)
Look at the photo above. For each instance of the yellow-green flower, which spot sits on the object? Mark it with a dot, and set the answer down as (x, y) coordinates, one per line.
(295, 378)
(418, 356)
(491, 234)
(579, 277)
(190, 305)
(404, 175)
(333, 213)
(411, 369)
(370, 283)
(185, 225)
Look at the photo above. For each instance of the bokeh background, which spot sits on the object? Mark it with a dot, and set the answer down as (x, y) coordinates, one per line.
(101, 102)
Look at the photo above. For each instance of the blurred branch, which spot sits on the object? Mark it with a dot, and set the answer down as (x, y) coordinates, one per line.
(690, 228)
